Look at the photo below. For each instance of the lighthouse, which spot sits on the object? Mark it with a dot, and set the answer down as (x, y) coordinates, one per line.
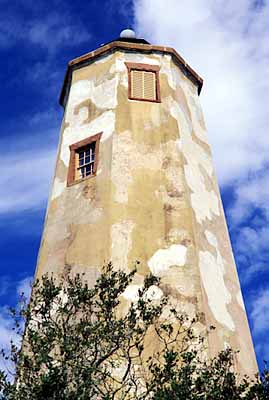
(134, 181)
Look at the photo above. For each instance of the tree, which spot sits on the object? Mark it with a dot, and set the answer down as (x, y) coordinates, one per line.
(77, 345)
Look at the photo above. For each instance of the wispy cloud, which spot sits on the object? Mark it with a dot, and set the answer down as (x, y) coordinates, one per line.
(44, 37)
(260, 320)
(250, 194)
(249, 222)
(7, 331)
(24, 287)
(28, 162)
(5, 284)
(54, 31)
(252, 253)
(24, 181)
(29, 157)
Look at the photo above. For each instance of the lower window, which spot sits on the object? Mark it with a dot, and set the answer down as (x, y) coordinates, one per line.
(83, 159)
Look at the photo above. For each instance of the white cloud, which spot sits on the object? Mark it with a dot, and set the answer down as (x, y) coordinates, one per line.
(249, 221)
(252, 254)
(56, 31)
(260, 312)
(52, 32)
(27, 166)
(6, 320)
(5, 284)
(24, 180)
(259, 318)
(227, 43)
(25, 287)
(250, 194)
(262, 349)
(253, 240)
(7, 333)
(254, 270)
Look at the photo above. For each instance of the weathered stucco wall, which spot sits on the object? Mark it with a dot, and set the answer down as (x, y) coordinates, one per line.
(155, 198)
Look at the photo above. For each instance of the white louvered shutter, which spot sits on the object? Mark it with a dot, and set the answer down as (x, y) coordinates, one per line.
(149, 85)
(143, 85)
(137, 84)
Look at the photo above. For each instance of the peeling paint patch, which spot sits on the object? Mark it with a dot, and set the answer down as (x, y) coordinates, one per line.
(204, 202)
(212, 273)
(226, 345)
(199, 202)
(131, 293)
(135, 57)
(196, 114)
(154, 293)
(171, 73)
(240, 300)
(211, 238)
(200, 133)
(122, 165)
(213, 279)
(163, 259)
(179, 144)
(182, 307)
(121, 246)
(58, 188)
(104, 123)
(104, 95)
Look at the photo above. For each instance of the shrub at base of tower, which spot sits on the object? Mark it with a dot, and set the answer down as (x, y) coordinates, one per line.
(80, 344)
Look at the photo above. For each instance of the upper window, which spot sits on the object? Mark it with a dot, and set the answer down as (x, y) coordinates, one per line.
(143, 82)
(83, 159)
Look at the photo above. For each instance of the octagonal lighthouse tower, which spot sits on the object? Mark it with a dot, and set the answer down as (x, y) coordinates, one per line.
(134, 180)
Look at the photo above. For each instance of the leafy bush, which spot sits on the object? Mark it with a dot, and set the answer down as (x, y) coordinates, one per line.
(77, 345)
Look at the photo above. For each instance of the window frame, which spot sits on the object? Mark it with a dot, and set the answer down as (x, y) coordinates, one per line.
(74, 148)
(147, 68)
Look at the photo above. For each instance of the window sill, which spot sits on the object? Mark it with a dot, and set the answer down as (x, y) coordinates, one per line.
(81, 180)
(149, 101)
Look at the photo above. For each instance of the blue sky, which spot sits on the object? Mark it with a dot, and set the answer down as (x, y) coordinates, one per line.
(226, 42)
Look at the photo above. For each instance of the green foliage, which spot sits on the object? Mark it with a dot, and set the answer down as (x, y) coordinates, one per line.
(78, 345)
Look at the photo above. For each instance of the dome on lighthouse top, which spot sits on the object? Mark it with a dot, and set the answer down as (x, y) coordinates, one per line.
(127, 34)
